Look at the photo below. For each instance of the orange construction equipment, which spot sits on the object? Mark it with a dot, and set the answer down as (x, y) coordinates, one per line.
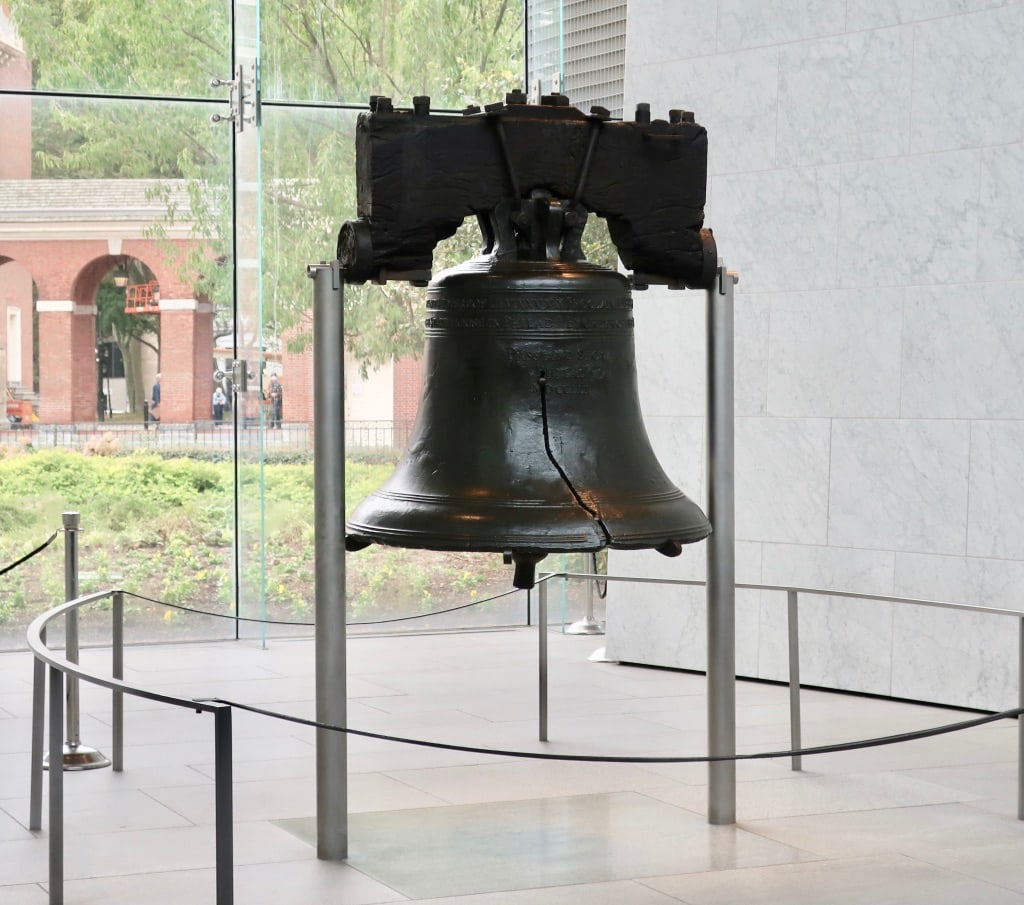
(142, 298)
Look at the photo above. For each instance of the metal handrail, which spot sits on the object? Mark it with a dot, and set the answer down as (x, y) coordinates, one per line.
(59, 667)
(821, 592)
(792, 595)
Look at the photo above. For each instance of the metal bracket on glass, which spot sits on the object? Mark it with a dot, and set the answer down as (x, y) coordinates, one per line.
(244, 98)
(240, 375)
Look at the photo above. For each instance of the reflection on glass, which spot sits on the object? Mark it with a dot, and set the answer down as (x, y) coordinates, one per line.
(455, 51)
(545, 29)
(308, 191)
(120, 285)
(109, 277)
(160, 47)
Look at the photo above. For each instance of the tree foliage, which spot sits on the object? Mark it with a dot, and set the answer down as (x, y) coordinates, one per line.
(331, 52)
(129, 331)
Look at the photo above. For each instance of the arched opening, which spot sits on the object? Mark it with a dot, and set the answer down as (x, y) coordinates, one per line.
(19, 380)
(127, 337)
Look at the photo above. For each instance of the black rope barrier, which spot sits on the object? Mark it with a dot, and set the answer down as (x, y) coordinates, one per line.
(233, 618)
(46, 543)
(616, 759)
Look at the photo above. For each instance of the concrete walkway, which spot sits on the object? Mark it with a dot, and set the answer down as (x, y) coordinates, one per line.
(924, 823)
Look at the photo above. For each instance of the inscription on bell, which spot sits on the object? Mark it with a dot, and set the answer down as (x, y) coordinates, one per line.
(532, 303)
(548, 355)
(526, 324)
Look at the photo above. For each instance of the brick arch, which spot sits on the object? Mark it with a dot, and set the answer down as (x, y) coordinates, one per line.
(67, 284)
(68, 234)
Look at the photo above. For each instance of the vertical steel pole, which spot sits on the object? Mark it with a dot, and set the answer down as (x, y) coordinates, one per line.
(721, 552)
(223, 794)
(71, 524)
(793, 618)
(1020, 725)
(35, 804)
(542, 642)
(56, 855)
(76, 756)
(329, 514)
(117, 671)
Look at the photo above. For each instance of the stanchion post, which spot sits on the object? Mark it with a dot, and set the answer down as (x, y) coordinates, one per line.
(329, 595)
(76, 756)
(223, 805)
(71, 525)
(1020, 724)
(588, 625)
(795, 734)
(117, 671)
(721, 551)
(35, 805)
(542, 659)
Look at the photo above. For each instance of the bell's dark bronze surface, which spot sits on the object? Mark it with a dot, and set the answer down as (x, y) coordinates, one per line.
(529, 438)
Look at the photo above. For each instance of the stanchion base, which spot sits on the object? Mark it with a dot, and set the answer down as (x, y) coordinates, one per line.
(80, 757)
(584, 627)
(599, 656)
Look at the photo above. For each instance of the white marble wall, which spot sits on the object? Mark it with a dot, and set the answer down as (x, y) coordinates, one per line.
(867, 182)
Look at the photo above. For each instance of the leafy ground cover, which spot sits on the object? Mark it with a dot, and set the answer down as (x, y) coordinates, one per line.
(164, 528)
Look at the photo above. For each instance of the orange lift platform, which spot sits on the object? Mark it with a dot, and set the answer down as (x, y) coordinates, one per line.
(142, 298)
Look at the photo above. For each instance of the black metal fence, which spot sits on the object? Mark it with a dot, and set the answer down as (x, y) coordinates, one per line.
(361, 437)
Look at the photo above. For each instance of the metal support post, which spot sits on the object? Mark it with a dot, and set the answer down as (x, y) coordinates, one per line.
(56, 856)
(588, 625)
(225, 848)
(329, 596)
(35, 806)
(1020, 726)
(793, 618)
(542, 643)
(721, 552)
(76, 756)
(117, 671)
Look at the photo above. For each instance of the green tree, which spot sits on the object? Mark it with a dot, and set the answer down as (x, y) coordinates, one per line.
(130, 331)
(331, 51)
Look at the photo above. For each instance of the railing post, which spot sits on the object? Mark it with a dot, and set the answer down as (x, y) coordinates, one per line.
(721, 551)
(794, 678)
(1020, 725)
(542, 636)
(56, 855)
(225, 847)
(117, 670)
(35, 807)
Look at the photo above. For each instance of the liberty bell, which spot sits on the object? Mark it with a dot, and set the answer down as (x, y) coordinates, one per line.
(529, 438)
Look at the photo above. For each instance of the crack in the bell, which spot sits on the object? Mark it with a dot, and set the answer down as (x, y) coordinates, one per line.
(590, 510)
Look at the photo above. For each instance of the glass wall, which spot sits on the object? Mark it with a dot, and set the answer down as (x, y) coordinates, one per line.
(172, 169)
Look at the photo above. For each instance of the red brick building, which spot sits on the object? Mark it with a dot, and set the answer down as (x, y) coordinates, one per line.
(59, 238)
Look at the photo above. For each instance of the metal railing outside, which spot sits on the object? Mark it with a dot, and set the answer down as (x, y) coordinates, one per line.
(382, 437)
(793, 636)
(59, 667)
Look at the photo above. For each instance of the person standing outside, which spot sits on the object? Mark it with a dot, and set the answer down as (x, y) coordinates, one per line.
(219, 400)
(276, 396)
(154, 401)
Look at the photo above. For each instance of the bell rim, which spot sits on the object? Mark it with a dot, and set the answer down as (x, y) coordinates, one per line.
(588, 542)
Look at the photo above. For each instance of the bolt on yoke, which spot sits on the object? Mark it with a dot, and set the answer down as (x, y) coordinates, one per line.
(530, 174)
